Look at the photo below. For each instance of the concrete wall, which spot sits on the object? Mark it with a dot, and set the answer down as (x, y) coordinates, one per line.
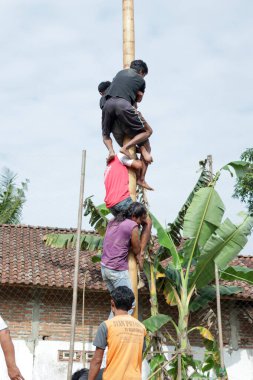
(46, 366)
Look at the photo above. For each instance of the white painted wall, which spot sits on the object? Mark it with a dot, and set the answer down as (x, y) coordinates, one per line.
(239, 363)
(24, 361)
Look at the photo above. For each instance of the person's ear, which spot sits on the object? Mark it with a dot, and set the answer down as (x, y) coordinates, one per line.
(112, 305)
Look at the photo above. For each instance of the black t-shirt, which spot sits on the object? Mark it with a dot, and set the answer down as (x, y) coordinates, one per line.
(126, 84)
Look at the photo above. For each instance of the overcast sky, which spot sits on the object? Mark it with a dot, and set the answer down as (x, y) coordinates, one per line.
(199, 97)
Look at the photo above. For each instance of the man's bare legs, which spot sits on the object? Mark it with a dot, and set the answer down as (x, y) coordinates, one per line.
(138, 139)
(140, 166)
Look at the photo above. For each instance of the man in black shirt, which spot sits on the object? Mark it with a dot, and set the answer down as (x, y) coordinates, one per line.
(126, 89)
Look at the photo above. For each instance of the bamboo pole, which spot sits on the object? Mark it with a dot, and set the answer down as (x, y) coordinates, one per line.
(128, 57)
(217, 287)
(76, 270)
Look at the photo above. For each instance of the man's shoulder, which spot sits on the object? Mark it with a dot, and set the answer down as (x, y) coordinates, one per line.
(129, 223)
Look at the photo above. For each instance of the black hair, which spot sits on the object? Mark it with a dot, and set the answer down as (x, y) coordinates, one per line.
(81, 373)
(139, 66)
(135, 209)
(103, 86)
(123, 298)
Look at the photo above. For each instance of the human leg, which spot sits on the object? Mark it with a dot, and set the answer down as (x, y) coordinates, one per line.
(107, 123)
(134, 126)
(140, 166)
(114, 279)
(121, 206)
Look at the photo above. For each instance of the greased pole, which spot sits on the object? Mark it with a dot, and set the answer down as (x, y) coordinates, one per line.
(128, 57)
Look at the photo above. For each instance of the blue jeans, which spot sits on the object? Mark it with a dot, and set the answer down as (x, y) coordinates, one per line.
(121, 206)
(114, 279)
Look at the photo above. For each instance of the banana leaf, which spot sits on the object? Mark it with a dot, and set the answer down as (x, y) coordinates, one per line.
(222, 247)
(204, 215)
(234, 242)
(237, 273)
(166, 241)
(98, 219)
(155, 322)
(240, 167)
(175, 228)
(89, 242)
(208, 294)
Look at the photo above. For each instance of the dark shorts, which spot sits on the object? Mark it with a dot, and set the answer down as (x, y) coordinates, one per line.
(121, 206)
(127, 118)
(119, 131)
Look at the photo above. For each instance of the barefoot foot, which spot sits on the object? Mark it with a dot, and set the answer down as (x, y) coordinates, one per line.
(144, 185)
(126, 152)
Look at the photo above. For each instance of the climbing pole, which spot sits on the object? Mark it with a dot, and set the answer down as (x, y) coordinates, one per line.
(128, 57)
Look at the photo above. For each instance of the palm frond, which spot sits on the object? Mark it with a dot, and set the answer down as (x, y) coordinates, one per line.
(12, 198)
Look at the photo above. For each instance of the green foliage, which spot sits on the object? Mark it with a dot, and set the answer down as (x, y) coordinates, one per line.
(165, 240)
(244, 185)
(155, 322)
(238, 273)
(12, 198)
(203, 216)
(176, 227)
(223, 245)
(88, 242)
(240, 168)
(97, 215)
(208, 294)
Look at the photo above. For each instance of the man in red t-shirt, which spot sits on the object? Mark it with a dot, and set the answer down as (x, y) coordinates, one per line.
(117, 198)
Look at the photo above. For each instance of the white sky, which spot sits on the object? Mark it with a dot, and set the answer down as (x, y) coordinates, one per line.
(199, 97)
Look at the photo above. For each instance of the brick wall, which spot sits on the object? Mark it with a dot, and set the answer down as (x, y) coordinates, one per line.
(20, 306)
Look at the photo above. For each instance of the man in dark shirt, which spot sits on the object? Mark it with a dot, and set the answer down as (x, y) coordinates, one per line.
(126, 89)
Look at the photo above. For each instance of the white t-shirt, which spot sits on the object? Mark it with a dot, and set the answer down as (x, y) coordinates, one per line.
(2, 324)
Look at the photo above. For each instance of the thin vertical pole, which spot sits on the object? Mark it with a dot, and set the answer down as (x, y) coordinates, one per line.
(128, 57)
(179, 366)
(128, 32)
(217, 286)
(76, 270)
(83, 310)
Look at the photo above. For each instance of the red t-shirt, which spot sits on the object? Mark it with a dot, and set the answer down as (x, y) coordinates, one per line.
(116, 183)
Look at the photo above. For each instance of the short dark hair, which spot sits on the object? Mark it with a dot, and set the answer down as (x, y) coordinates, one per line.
(139, 66)
(123, 298)
(81, 373)
(103, 86)
(136, 209)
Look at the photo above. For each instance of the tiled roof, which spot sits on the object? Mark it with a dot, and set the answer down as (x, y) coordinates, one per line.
(26, 260)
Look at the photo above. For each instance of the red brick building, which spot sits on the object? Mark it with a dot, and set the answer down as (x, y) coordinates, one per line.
(36, 300)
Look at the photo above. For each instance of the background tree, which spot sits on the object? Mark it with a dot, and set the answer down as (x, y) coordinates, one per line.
(12, 198)
(244, 184)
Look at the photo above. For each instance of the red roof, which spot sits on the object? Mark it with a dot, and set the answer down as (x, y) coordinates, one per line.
(26, 260)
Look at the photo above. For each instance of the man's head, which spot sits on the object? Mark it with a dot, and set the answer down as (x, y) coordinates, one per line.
(140, 67)
(137, 212)
(122, 299)
(102, 87)
(81, 374)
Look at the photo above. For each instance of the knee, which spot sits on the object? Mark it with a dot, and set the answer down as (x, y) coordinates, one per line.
(149, 131)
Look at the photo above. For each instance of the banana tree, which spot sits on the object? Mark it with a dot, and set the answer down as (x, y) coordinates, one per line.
(192, 244)
(207, 240)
